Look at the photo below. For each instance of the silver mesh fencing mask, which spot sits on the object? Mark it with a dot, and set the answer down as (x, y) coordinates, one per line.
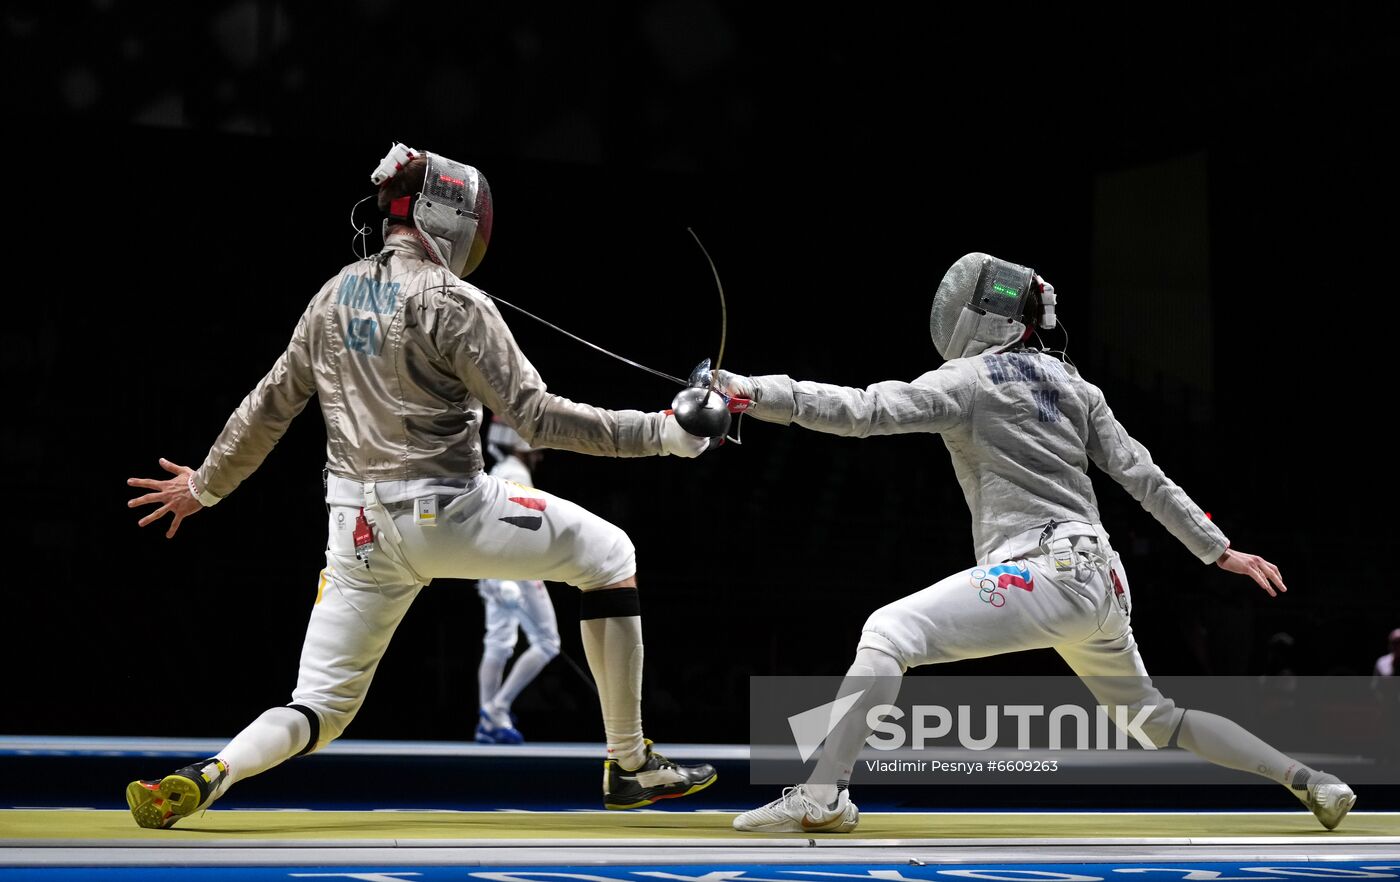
(979, 306)
(452, 211)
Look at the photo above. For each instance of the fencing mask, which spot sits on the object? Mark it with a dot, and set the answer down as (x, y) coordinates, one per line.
(982, 304)
(452, 210)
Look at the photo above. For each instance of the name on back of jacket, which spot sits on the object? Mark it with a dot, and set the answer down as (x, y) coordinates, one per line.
(362, 292)
(1017, 367)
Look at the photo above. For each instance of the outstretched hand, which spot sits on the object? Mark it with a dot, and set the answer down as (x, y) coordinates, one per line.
(1255, 567)
(172, 495)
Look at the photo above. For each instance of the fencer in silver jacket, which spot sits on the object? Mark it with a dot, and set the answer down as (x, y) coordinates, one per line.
(1022, 428)
(403, 355)
(401, 377)
(1021, 425)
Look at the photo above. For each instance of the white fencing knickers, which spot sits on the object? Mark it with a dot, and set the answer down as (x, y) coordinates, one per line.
(1071, 594)
(489, 529)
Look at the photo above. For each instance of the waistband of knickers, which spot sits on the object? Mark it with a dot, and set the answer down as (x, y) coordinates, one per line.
(346, 491)
(1030, 541)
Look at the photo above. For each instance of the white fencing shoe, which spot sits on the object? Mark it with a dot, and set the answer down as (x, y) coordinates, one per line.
(796, 811)
(1329, 799)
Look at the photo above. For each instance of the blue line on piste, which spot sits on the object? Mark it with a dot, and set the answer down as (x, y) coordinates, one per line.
(1292, 871)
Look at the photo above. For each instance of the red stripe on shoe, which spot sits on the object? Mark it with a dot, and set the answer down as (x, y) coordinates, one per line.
(532, 502)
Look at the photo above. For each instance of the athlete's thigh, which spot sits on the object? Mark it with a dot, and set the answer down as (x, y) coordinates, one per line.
(502, 530)
(356, 611)
(1110, 650)
(981, 611)
(1107, 659)
(1111, 667)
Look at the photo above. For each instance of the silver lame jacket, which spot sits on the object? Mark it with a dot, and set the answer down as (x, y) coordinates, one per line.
(402, 355)
(1022, 428)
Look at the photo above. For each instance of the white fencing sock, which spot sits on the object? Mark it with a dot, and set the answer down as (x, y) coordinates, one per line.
(1226, 743)
(611, 625)
(279, 734)
(880, 676)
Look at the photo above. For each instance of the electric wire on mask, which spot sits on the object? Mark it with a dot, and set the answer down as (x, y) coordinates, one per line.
(359, 243)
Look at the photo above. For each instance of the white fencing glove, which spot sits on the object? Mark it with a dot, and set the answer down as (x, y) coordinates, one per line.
(676, 441)
(734, 385)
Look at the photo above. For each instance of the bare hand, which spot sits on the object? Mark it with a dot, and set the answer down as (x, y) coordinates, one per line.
(172, 495)
(1255, 567)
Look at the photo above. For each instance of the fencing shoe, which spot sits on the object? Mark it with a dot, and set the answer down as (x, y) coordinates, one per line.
(658, 778)
(1328, 798)
(487, 732)
(797, 811)
(159, 804)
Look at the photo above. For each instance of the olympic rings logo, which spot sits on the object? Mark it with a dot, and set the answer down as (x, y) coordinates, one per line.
(986, 588)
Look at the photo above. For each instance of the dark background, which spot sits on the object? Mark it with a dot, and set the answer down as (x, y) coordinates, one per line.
(1209, 191)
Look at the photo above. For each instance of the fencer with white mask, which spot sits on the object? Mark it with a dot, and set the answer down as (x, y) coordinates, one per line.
(1022, 427)
(402, 354)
